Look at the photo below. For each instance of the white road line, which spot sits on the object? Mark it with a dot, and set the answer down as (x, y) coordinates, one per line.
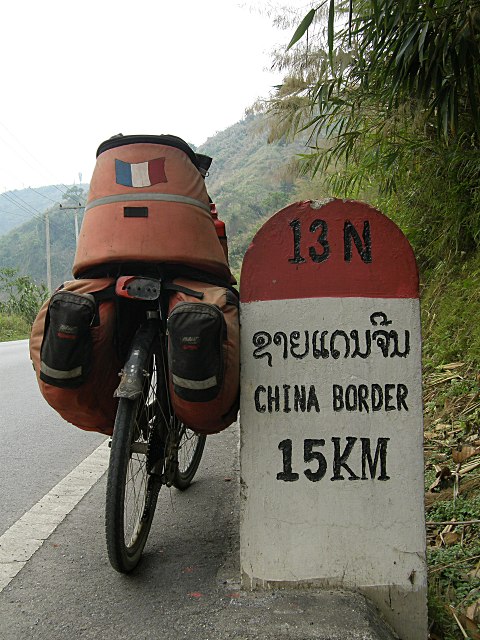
(28, 533)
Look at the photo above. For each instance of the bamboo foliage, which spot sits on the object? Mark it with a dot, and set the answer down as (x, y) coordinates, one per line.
(394, 79)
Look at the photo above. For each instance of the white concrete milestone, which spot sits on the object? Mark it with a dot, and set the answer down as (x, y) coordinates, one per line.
(331, 424)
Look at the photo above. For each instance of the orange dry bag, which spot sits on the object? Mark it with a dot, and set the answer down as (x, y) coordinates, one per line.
(148, 203)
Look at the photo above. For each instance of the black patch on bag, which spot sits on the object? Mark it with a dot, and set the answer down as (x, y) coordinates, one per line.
(66, 352)
(135, 212)
(196, 333)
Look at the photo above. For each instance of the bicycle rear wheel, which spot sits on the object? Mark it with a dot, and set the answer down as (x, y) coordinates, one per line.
(132, 490)
(190, 451)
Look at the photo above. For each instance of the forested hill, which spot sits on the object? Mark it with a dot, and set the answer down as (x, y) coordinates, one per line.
(248, 181)
(24, 247)
(21, 205)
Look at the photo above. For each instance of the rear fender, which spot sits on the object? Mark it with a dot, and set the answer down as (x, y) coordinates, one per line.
(136, 366)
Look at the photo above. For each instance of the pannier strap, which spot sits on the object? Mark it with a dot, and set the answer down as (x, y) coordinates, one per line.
(104, 294)
(99, 296)
(147, 197)
(190, 273)
(171, 286)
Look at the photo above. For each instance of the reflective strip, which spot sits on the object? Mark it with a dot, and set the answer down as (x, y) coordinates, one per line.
(145, 197)
(195, 384)
(60, 375)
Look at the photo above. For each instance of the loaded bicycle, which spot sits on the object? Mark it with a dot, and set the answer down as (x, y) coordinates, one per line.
(143, 345)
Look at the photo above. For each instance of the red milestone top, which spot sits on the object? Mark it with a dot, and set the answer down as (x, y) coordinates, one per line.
(340, 248)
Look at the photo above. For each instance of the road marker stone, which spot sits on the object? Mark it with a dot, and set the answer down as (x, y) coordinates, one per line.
(331, 409)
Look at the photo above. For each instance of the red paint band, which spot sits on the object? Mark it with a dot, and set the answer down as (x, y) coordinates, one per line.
(341, 249)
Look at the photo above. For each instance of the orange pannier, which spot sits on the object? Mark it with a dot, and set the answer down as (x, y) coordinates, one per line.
(148, 203)
(74, 356)
(204, 355)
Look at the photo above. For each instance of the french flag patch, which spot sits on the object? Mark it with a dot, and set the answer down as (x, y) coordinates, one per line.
(140, 174)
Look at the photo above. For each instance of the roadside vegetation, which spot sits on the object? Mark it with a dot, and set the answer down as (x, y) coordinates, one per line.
(452, 499)
(20, 300)
(13, 327)
(387, 95)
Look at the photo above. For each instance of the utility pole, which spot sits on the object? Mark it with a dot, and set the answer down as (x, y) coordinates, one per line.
(76, 209)
(47, 241)
(76, 226)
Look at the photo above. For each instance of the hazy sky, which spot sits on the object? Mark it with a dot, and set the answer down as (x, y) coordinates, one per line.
(73, 74)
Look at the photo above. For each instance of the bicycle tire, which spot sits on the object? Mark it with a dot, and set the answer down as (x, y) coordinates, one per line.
(190, 451)
(131, 490)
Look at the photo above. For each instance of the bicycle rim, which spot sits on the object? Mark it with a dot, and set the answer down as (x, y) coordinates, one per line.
(190, 451)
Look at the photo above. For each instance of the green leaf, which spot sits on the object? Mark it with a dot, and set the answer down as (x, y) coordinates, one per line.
(302, 28)
(331, 19)
(406, 48)
(421, 41)
(430, 12)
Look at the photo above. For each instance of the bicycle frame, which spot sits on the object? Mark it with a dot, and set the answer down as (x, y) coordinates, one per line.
(134, 370)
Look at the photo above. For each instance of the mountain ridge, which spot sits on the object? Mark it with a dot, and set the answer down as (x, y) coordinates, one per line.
(17, 206)
(248, 181)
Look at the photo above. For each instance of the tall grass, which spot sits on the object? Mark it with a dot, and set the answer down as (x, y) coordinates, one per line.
(13, 328)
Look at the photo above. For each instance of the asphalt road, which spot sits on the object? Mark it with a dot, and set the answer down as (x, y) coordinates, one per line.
(37, 447)
(68, 588)
(188, 582)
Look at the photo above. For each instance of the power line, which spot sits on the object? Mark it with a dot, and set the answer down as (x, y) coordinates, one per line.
(42, 167)
(12, 213)
(43, 195)
(12, 196)
(35, 214)
(19, 205)
(32, 212)
(26, 206)
(23, 158)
